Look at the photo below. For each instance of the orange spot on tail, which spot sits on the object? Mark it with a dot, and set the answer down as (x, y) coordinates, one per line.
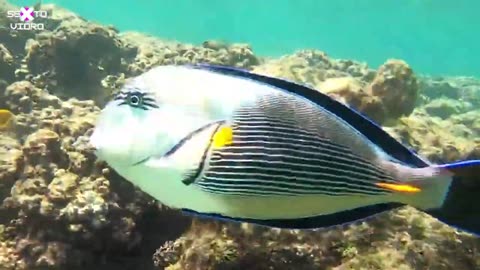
(399, 187)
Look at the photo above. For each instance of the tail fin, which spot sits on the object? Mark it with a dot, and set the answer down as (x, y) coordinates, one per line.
(461, 206)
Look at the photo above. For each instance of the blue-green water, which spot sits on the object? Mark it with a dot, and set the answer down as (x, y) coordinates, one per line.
(439, 37)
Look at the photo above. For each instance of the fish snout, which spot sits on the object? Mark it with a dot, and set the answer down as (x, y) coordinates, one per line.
(93, 141)
(95, 145)
(115, 148)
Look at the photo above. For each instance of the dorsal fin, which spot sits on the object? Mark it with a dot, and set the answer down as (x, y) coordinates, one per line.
(355, 119)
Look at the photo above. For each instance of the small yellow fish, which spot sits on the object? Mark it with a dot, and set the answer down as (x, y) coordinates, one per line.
(6, 118)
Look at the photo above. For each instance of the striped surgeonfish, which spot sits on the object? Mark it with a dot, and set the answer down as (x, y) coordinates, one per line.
(227, 143)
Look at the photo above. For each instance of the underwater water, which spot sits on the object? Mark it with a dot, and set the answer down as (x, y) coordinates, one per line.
(410, 67)
(436, 37)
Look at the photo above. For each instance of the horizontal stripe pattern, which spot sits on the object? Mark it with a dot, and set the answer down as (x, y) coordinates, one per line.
(272, 155)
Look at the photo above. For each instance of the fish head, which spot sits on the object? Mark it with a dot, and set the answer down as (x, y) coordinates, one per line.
(127, 132)
(146, 118)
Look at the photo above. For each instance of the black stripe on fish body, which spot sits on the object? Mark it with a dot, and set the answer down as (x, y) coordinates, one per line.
(256, 190)
(294, 155)
(359, 122)
(278, 134)
(253, 176)
(290, 113)
(294, 185)
(305, 170)
(297, 144)
(288, 117)
(271, 154)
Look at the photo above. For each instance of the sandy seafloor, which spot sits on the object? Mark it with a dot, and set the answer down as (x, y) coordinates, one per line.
(63, 210)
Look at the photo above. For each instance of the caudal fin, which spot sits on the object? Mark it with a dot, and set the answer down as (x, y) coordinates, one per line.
(461, 205)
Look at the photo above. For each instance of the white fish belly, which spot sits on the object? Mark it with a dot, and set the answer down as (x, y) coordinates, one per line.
(167, 189)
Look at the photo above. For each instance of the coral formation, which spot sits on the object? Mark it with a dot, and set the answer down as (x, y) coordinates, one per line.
(62, 209)
(445, 107)
(312, 67)
(382, 95)
(352, 92)
(74, 58)
(397, 87)
(457, 88)
(60, 200)
(403, 239)
(7, 68)
(153, 51)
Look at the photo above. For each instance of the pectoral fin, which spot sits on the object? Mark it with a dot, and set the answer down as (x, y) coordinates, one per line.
(189, 155)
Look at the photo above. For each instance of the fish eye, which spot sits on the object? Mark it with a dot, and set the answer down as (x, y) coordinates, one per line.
(134, 100)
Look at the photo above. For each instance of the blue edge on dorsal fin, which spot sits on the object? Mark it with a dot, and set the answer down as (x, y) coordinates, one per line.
(379, 137)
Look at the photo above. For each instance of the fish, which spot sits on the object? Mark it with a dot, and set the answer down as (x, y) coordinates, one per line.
(229, 144)
(6, 119)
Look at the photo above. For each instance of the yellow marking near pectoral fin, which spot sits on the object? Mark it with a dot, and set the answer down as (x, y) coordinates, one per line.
(399, 187)
(223, 137)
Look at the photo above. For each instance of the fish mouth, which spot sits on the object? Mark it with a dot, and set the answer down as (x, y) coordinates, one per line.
(182, 141)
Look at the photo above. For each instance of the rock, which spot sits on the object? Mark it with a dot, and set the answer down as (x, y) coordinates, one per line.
(435, 139)
(20, 97)
(7, 64)
(308, 67)
(153, 51)
(436, 88)
(397, 87)
(351, 92)
(374, 244)
(215, 45)
(75, 57)
(312, 67)
(444, 108)
(457, 88)
(10, 160)
(385, 95)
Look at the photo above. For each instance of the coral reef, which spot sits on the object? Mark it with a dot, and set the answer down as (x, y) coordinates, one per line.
(397, 87)
(403, 239)
(60, 200)
(445, 107)
(312, 67)
(458, 88)
(62, 209)
(382, 95)
(153, 52)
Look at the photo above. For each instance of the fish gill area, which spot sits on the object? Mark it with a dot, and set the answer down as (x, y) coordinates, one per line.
(61, 209)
